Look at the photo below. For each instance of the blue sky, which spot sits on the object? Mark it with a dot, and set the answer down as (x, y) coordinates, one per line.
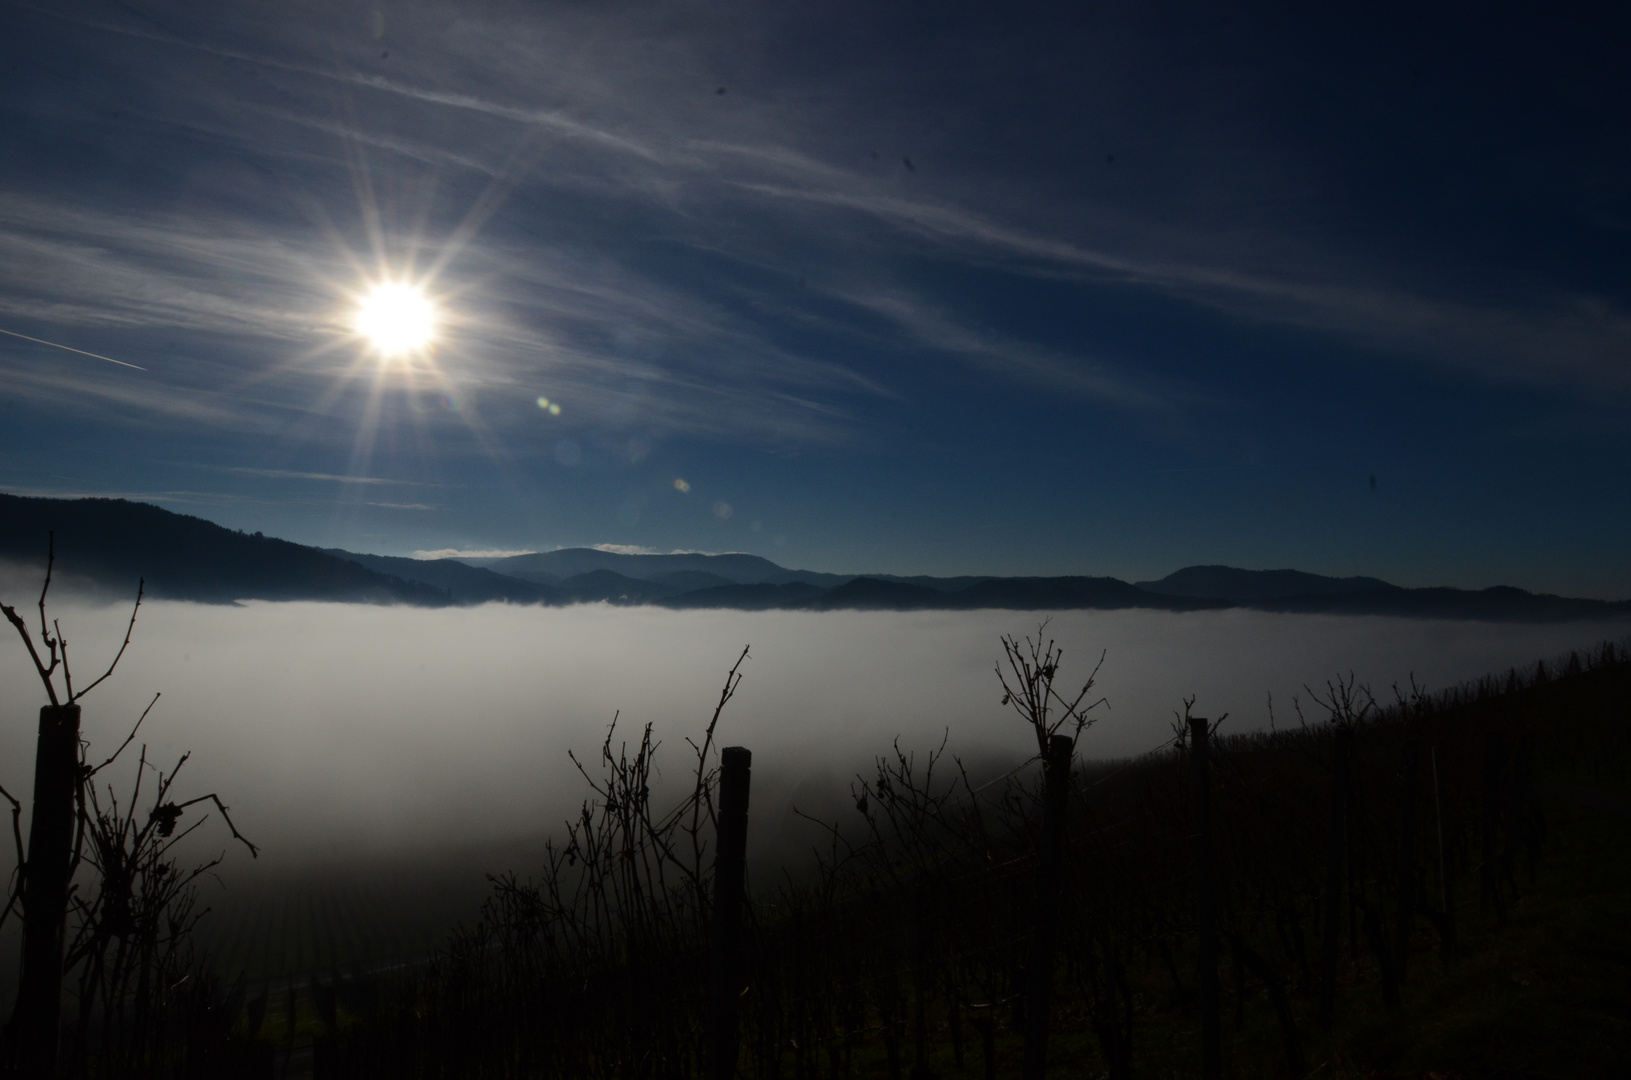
(927, 288)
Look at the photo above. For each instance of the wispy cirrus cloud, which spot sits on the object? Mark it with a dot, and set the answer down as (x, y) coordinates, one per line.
(545, 327)
(74, 265)
(927, 327)
(331, 478)
(133, 400)
(1580, 339)
(645, 143)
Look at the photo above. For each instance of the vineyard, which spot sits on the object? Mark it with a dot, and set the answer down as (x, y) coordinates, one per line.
(1422, 883)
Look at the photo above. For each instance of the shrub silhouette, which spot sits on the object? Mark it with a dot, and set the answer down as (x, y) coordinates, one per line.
(130, 939)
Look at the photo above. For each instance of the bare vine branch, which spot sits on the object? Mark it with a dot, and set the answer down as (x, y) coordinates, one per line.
(254, 852)
(56, 648)
(45, 636)
(17, 837)
(128, 739)
(1033, 667)
(141, 587)
(33, 653)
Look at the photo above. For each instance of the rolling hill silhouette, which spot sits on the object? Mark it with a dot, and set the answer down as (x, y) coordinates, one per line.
(1228, 583)
(555, 567)
(463, 583)
(112, 542)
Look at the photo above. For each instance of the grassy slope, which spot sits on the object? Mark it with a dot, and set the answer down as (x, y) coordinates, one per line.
(1546, 995)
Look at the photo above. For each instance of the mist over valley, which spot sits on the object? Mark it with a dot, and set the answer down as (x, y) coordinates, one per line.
(394, 755)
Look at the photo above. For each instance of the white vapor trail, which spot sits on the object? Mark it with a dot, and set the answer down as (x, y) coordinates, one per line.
(70, 348)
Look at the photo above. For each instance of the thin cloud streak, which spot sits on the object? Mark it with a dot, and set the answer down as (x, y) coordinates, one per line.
(1583, 337)
(290, 474)
(547, 119)
(70, 348)
(141, 405)
(937, 331)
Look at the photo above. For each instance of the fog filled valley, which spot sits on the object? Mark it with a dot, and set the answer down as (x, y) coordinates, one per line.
(385, 758)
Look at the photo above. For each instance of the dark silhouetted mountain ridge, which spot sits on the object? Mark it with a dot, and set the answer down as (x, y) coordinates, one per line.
(463, 583)
(556, 566)
(1229, 583)
(113, 542)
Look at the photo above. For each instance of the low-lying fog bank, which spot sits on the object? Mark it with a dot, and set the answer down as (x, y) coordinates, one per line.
(346, 734)
(332, 727)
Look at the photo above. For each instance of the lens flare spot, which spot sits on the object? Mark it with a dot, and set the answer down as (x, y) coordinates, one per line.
(681, 485)
(723, 510)
(396, 319)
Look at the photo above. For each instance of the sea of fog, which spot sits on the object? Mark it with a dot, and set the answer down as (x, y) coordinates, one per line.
(350, 737)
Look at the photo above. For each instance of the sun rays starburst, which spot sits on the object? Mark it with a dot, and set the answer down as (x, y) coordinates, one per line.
(396, 319)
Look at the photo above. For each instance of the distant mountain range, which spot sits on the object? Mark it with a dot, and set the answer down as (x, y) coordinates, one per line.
(112, 542)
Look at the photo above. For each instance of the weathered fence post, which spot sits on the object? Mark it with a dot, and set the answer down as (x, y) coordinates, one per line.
(922, 932)
(1489, 879)
(1049, 886)
(1526, 823)
(36, 1021)
(1206, 900)
(730, 855)
(1407, 860)
(1448, 939)
(985, 1023)
(1335, 855)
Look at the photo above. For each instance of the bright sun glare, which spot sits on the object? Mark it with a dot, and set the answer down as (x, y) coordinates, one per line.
(396, 318)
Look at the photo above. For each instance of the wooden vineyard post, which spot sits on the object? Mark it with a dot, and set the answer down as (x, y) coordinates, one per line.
(985, 1024)
(730, 856)
(1407, 860)
(1444, 898)
(1206, 900)
(1049, 886)
(36, 1021)
(1335, 854)
(1489, 880)
(921, 947)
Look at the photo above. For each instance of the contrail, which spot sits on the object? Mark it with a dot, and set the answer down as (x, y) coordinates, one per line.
(70, 348)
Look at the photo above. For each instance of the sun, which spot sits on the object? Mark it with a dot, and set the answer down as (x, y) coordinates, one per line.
(396, 319)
